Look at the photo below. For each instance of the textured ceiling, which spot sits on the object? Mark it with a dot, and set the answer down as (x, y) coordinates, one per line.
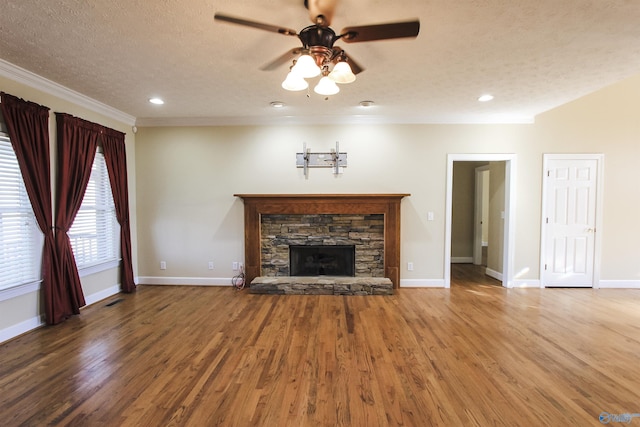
(532, 55)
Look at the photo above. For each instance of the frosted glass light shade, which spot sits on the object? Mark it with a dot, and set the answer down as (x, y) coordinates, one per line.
(342, 73)
(294, 82)
(326, 86)
(306, 66)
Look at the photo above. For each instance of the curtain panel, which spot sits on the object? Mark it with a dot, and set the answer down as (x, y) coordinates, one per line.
(77, 143)
(28, 127)
(116, 160)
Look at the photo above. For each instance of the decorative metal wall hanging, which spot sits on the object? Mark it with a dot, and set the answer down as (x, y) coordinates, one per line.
(330, 159)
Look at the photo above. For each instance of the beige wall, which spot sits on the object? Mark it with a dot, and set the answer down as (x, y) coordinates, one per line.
(607, 121)
(26, 309)
(187, 178)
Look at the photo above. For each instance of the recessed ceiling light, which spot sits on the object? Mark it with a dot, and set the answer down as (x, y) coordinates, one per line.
(156, 101)
(485, 98)
(277, 104)
(366, 103)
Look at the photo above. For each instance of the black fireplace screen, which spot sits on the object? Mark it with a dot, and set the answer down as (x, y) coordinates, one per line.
(322, 260)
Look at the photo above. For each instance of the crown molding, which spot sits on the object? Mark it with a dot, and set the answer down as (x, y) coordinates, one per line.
(26, 77)
(330, 120)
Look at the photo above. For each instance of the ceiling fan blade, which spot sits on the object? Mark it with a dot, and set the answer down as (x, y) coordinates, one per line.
(282, 59)
(394, 30)
(254, 24)
(321, 11)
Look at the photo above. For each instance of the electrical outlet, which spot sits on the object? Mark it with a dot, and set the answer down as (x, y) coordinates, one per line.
(210, 265)
(234, 266)
(410, 266)
(163, 265)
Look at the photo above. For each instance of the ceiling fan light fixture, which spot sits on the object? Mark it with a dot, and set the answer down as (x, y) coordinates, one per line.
(306, 67)
(294, 82)
(318, 53)
(342, 73)
(326, 86)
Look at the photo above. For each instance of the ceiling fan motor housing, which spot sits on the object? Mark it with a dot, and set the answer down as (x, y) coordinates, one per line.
(319, 42)
(315, 35)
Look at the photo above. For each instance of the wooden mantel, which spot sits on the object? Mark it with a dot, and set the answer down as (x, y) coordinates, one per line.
(310, 204)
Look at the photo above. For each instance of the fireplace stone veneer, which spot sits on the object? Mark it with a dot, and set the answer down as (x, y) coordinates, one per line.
(388, 205)
(280, 232)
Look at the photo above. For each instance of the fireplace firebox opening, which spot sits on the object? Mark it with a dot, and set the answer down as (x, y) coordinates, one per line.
(322, 260)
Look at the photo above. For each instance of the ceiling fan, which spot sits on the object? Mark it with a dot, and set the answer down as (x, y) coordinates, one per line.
(318, 53)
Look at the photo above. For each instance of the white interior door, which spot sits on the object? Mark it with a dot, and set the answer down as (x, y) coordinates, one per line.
(570, 222)
(481, 213)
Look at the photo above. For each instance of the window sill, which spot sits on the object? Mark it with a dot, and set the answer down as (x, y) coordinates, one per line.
(27, 288)
(97, 268)
(16, 291)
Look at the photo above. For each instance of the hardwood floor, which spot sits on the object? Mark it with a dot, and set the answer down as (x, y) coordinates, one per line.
(474, 355)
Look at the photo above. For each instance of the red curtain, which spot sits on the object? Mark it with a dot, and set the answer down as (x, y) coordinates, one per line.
(28, 127)
(77, 143)
(116, 160)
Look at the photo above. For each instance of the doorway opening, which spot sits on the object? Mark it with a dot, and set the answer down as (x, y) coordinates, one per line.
(504, 211)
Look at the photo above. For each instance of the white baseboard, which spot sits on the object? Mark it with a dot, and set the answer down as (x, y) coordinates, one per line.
(462, 260)
(35, 322)
(422, 283)
(188, 281)
(20, 328)
(492, 273)
(619, 284)
(98, 296)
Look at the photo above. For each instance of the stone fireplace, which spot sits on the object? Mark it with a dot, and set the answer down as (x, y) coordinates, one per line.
(374, 230)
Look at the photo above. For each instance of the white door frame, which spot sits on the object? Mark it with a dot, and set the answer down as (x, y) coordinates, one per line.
(597, 256)
(478, 205)
(509, 211)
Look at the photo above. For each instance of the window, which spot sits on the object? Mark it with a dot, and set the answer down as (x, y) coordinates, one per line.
(95, 230)
(20, 237)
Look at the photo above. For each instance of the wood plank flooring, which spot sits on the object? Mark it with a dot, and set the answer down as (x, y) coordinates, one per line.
(473, 355)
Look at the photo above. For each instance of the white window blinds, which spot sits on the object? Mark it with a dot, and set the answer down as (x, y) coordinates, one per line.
(95, 230)
(20, 237)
